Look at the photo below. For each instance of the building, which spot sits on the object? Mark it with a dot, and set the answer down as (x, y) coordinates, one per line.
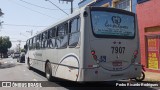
(149, 27)
(106, 3)
(129, 5)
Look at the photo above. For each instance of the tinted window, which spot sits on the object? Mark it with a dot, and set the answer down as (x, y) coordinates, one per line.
(34, 43)
(112, 24)
(38, 42)
(74, 32)
(75, 25)
(62, 39)
(51, 43)
(30, 43)
(52, 32)
(73, 39)
(62, 29)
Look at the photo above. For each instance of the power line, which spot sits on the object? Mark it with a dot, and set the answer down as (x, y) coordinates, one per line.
(18, 41)
(57, 6)
(32, 10)
(23, 25)
(40, 6)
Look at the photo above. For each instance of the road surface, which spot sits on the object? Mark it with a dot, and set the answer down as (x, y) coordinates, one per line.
(11, 70)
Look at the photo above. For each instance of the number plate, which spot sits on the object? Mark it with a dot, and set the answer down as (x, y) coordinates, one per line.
(118, 50)
(117, 63)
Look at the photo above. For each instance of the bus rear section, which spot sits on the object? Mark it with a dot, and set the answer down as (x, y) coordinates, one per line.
(113, 46)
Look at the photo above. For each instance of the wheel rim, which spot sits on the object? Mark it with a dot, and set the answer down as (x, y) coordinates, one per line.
(141, 77)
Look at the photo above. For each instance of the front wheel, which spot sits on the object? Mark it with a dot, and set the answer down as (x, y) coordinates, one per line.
(48, 71)
(141, 78)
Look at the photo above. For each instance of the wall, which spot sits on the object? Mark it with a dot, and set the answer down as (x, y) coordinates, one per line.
(97, 3)
(148, 17)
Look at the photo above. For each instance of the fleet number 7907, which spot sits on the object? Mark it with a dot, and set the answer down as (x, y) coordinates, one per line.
(118, 50)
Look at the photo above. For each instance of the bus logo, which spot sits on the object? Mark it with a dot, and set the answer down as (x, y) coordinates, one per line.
(116, 20)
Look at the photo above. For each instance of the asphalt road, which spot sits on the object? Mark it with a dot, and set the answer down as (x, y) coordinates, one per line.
(11, 70)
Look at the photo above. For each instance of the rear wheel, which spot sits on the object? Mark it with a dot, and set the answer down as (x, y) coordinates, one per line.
(48, 71)
(141, 78)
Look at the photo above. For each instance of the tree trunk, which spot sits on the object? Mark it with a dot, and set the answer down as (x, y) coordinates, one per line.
(5, 55)
(1, 55)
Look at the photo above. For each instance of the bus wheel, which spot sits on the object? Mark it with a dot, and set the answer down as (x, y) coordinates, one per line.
(48, 71)
(28, 64)
(141, 78)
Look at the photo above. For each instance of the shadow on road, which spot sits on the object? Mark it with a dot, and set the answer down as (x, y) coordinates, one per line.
(110, 85)
(8, 65)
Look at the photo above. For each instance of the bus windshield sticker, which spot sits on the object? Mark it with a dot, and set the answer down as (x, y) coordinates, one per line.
(109, 23)
(102, 59)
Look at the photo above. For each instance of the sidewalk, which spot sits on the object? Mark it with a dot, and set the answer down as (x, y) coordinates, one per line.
(152, 76)
(0, 61)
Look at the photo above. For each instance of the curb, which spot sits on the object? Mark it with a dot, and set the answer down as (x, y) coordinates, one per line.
(151, 79)
(150, 76)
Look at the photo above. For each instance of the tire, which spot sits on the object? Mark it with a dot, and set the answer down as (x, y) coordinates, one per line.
(141, 78)
(20, 59)
(28, 64)
(48, 71)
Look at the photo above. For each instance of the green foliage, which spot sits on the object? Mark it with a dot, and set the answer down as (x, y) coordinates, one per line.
(1, 13)
(23, 50)
(5, 44)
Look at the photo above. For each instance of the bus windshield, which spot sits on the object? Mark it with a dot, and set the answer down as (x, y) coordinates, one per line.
(111, 24)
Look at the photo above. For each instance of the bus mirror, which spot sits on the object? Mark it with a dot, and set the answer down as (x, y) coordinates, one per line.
(25, 47)
(85, 14)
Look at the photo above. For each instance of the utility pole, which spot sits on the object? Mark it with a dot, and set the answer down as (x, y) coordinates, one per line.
(71, 6)
(23, 35)
(71, 1)
(57, 6)
(1, 13)
(31, 32)
(19, 46)
(1, 24)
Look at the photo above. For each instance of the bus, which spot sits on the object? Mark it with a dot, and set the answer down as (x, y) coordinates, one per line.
(92, 44)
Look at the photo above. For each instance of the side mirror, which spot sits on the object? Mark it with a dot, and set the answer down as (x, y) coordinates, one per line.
(25, 47)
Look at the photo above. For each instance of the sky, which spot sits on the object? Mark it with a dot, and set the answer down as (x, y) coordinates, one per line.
(23, 16)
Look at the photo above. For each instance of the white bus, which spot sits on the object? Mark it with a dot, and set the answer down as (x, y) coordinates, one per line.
(92, 44)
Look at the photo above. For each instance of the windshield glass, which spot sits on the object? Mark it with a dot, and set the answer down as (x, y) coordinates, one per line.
(112, 24)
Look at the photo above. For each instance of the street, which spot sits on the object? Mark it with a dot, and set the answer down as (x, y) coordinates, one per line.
(11, 70)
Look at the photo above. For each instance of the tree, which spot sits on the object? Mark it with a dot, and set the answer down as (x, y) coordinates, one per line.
(1, 13)
(23, 50)
(5, 44)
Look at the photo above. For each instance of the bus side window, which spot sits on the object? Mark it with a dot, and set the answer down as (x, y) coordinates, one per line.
(44, 39)
(51, 40)
(74, 32)
(40, 40)
(62, 38)
(37, 42)
(30, 44)
(34, 43)
(27, 45)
